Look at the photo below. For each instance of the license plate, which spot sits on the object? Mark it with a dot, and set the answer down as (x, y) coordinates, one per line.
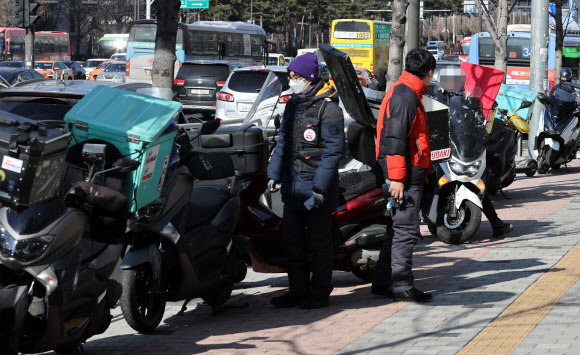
(148, 72)
(244, 107)
(199, 92)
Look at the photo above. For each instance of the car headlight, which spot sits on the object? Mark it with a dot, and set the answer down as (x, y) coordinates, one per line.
(23, 250)
(465, 169)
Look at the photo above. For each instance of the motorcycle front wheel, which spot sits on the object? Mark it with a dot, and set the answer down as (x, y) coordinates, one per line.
(143, 305)
(461, 228)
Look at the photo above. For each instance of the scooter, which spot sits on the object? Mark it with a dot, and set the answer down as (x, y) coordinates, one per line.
(554, 135)
(502, 149)
(454, 210)
(57, 258)
(183, 245)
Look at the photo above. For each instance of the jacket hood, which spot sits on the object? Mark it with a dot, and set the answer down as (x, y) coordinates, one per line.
(414, 83)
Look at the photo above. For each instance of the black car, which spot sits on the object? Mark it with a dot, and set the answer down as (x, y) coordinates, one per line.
(197, 83)
(12, 64)
(78, 71)
(13, 76)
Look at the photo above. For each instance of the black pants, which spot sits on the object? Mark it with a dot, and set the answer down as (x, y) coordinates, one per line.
(318, 245)
(395, 265)
(489, 210)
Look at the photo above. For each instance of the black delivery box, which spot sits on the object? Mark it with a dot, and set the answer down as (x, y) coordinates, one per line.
(32, 158)
(246, 145)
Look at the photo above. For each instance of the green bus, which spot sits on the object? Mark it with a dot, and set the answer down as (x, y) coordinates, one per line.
(111, 44)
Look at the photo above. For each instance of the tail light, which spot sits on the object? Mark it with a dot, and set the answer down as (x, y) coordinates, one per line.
(180, 82)
(128, 66)
(220, 83)
(225, 96)
(284, 99)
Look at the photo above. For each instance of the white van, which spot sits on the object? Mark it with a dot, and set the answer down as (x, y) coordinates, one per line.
(437, 48)
(276, 59)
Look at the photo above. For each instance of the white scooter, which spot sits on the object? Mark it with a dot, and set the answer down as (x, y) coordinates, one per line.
(457, 187)
(554, 135)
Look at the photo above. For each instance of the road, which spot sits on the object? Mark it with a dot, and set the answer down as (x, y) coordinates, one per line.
(520, 293)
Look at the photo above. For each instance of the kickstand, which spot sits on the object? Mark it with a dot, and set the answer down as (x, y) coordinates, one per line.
(505, 195)
(184, 307)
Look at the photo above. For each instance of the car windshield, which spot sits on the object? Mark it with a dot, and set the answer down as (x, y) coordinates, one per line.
(10, 77)
(12, 64)
(467, 127)
(103, 65)
(116, 68)
(93, 63)
(69, 64)
(43, 66)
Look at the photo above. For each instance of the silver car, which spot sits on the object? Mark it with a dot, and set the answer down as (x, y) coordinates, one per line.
(114, 72)
(240, 91)
(91, 64)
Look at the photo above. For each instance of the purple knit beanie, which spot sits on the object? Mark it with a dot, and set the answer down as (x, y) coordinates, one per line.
(306, 65)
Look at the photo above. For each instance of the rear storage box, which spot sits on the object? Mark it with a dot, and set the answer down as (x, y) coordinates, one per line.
(141, 127)
(33, 160)
(246, 145)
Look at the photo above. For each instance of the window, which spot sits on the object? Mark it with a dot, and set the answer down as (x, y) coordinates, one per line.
(247, 81)
(518, 51)
(464, 48)
(143, 33)
(218, 71)
(43, 65)
(202, 43)
(352, 30)
(234, 44)
(257, 45)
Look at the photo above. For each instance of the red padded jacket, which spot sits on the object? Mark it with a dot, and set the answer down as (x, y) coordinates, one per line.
(403, 148)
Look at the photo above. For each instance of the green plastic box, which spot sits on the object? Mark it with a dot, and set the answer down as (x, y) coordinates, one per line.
(510, 98)
(140, 126)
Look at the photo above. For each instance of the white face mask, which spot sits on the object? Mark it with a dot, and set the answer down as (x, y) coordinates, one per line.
(298, 86)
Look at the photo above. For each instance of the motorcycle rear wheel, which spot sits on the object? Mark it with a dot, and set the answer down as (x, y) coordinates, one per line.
(466, 229)
(142, 308)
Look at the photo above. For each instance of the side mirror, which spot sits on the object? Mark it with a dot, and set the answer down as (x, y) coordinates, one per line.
(277, 122)
(125, 166)
(525, 104)
(210, 126)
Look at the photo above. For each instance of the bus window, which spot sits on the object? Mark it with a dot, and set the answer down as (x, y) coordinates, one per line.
(352, 30)
(256, 45)
(464, 48)
(143, 33)
(235, 44)
(210, 44)
(518, 51)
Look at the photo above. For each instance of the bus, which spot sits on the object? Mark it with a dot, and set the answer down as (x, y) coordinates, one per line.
(202, 40)
(111, 44)
(463, 49)
(366, 42)
(48, 45)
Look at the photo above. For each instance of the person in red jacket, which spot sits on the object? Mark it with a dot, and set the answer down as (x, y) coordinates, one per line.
(404, 155)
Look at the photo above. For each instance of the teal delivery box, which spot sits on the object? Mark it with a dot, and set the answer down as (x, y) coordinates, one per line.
(139, 126)
(510, 98)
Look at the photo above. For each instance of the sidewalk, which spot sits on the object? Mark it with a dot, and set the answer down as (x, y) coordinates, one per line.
(491, 295)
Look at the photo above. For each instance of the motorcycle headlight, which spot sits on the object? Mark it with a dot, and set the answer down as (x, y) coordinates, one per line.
(465, 169)
(23, 250)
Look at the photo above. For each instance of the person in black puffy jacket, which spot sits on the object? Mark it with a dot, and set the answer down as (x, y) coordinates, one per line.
(305, 163)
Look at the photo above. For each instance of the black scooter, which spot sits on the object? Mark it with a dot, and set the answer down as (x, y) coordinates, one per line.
(183, 245)
(502, 149)
(57, 257)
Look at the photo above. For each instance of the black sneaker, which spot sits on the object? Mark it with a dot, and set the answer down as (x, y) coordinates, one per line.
(315, 302)
(287, 300)
(381, 291)
(412, 295)
(502, 229)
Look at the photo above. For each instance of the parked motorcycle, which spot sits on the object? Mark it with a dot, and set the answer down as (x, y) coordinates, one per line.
(57, 257)
(502, 149)
(183, 245)
(454, 210)
(554, 135)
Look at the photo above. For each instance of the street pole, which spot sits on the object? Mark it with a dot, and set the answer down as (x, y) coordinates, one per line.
(412, 41)
(29, 48)
(148, 9)
(454, 30)
(539, 60)
(310, 31)
(252, 11)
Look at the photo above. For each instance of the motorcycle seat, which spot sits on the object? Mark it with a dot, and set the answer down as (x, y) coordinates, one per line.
(356, 183)
(207, 199)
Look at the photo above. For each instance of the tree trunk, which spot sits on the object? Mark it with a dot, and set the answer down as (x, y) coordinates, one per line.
(498, 33)
(162, 72)
(397, 41)
(559, 40)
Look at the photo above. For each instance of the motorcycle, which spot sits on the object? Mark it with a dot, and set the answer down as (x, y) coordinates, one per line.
(183, 245)
(57, 257)
(502, 149)
(453, 212)
(554, 135)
